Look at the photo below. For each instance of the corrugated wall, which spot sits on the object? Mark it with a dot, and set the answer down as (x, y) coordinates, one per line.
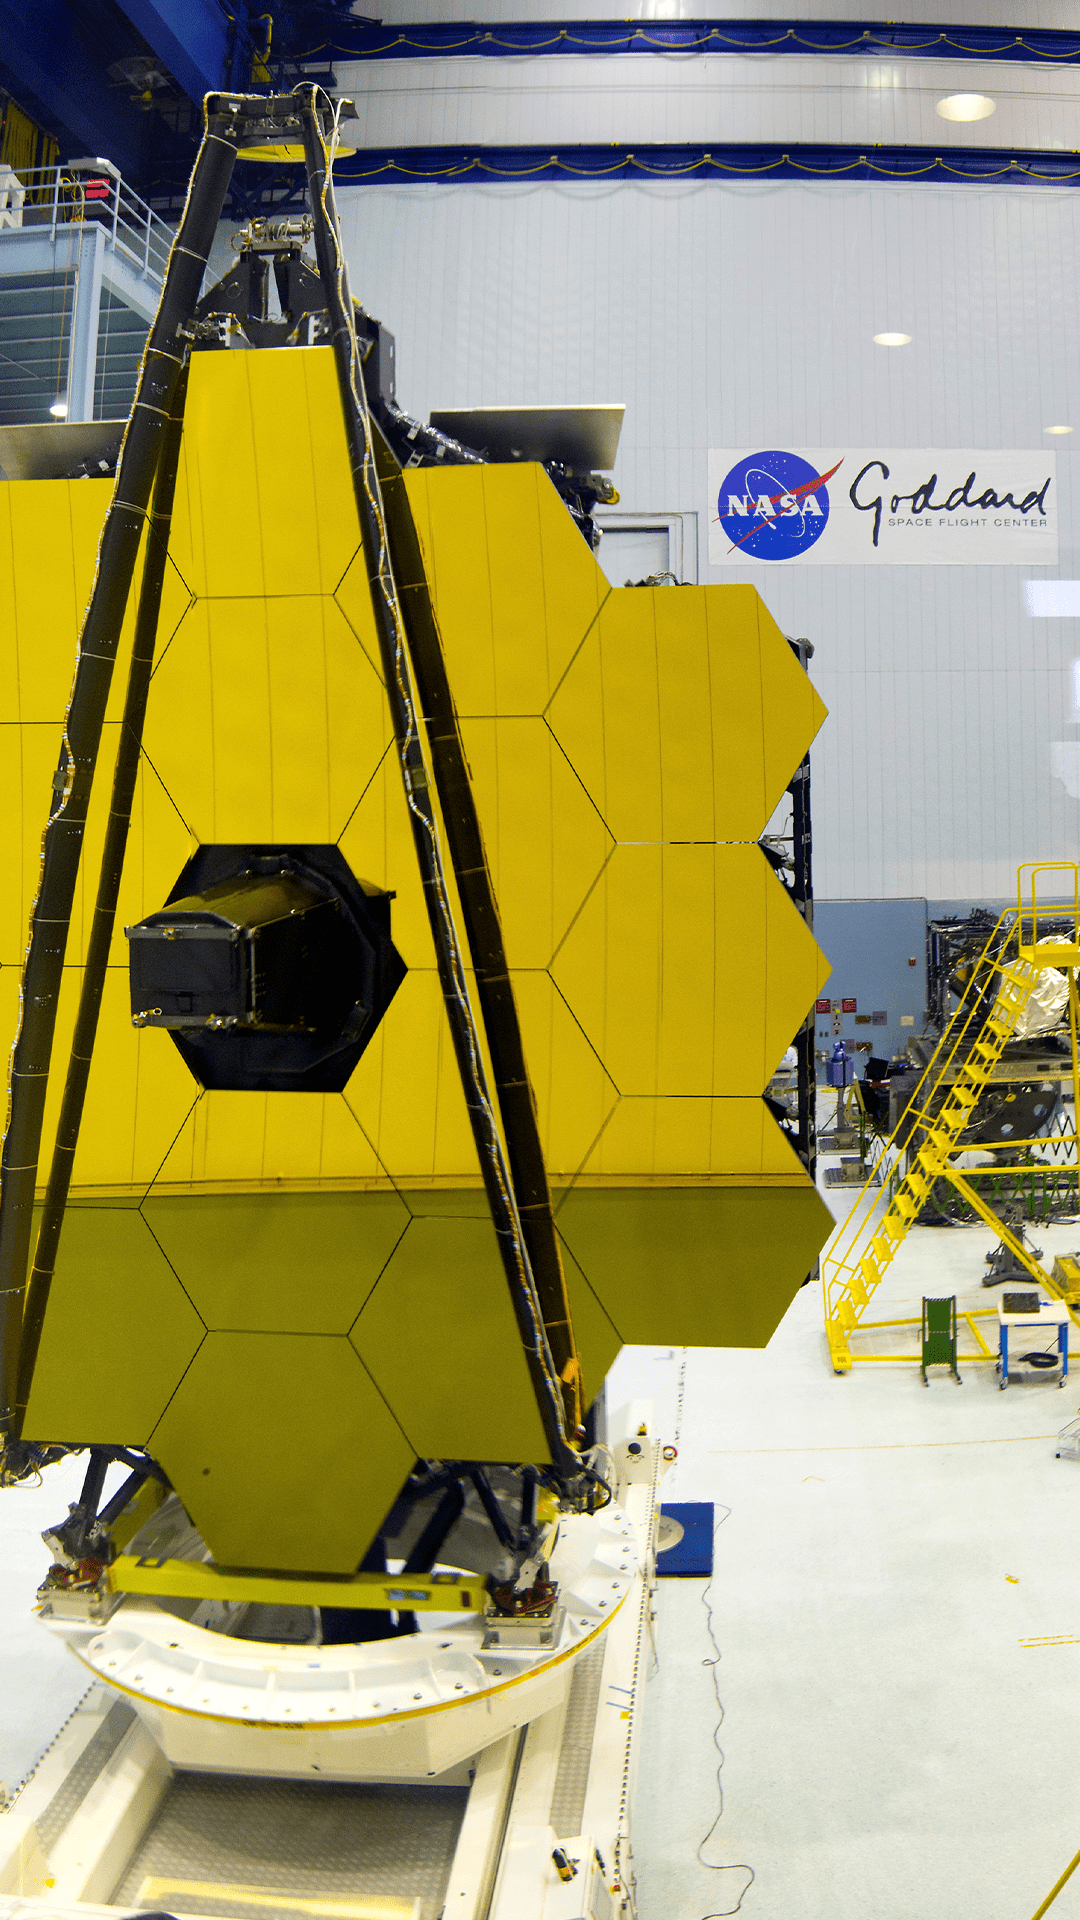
(744, 316)
(710, 97)
(935, 13)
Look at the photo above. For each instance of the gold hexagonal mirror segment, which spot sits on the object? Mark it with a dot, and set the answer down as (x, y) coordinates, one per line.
(406, 1091)
(545, 840)
(275, 1212)
(732, 1136)
(274, 514)
(266, 719)
(282, 1450)
(119, 1334)
(377, 842)
(138, 1095)
(159, 844)
(695, 1266)
(441, 1341)
(685, 713)
(53, 531)
(574, 1095)
(515, 587)
(279, 1263)
(689, 969)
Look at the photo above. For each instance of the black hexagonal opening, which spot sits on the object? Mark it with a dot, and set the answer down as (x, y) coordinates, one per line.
(270, 967)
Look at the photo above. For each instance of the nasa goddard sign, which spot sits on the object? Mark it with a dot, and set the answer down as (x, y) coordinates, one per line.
(839, 506)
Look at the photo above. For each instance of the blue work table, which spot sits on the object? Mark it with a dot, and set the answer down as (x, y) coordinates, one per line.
(1053, 1313)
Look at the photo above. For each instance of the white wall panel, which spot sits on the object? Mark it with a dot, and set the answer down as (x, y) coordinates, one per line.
(1016, 14)
(738, 316)
(703, 97)
(744, 315)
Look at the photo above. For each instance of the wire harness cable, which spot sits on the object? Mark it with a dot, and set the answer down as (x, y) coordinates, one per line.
(61, 847)
(417, 781)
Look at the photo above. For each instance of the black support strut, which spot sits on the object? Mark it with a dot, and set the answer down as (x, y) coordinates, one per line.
(118, 552)
(404, 707)
(419, 694)
(483, 928)
(125, 775)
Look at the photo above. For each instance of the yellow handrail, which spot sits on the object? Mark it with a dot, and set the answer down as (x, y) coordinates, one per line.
(1046, 953)
(861, 1252)
(940, 1060)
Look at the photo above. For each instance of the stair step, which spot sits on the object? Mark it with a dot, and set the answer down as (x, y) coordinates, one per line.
(931, 1160)
(869, 1273)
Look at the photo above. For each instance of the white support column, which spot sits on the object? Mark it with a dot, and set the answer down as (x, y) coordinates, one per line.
(82, 353)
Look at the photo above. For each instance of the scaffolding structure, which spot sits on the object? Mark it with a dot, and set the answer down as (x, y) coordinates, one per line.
(925, 1146)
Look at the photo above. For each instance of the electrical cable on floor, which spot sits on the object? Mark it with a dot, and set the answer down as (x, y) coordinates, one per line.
(731, 1866)
(676, 1441)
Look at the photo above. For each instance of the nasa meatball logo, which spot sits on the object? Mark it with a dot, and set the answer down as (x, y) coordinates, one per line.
(774, 505)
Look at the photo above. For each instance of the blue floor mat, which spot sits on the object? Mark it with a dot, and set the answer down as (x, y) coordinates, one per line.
(693, 1554)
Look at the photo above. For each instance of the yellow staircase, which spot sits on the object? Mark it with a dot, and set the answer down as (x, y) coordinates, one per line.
(864, 1246)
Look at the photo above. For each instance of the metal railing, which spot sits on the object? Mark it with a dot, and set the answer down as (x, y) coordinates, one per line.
(919, 1154)
(58, 197)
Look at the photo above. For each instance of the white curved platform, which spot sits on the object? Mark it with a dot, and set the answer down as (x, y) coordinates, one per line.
(385, 1709)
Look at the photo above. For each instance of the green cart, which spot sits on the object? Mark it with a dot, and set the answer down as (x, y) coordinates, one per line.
(939, 1336)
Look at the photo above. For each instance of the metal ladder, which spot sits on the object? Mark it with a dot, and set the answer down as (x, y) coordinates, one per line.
(862, 1250)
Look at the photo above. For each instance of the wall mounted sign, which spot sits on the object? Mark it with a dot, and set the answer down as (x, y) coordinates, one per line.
(869, 506)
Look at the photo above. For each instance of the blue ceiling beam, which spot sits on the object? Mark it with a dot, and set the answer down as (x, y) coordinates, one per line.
(50, 64)
(190, 38)
(953, 166)
(358, 39)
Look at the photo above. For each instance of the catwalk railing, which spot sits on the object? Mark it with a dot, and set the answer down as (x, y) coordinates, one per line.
(920, 1151)
(56, 198)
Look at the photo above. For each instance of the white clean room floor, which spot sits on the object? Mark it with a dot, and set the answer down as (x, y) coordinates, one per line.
(896, 1607)
(40, 1681)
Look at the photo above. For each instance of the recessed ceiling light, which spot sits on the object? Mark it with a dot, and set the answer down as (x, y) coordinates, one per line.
(1057, 429)
(966, 106)
(59, 408)
(892, 339)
